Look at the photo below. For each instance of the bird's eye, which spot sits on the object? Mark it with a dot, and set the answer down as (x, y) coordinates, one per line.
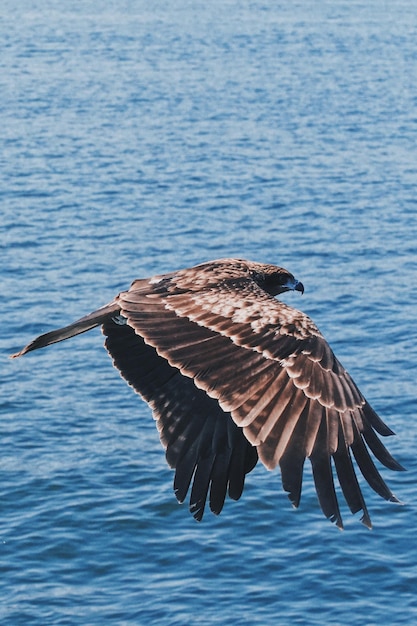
(279, 278)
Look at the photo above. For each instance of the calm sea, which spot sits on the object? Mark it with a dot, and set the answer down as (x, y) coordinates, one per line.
(140, 137)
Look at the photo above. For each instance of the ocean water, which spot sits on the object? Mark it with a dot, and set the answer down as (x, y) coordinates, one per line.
(143, 137)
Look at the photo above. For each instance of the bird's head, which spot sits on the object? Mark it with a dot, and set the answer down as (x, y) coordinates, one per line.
(276, 280)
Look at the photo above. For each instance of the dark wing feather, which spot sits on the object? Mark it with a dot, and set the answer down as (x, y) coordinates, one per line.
(202, 442)
(348, 480)
(323, 475)
(293, 457)
(269, 367)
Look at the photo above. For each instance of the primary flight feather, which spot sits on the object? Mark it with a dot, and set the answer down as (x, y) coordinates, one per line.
(232, 375)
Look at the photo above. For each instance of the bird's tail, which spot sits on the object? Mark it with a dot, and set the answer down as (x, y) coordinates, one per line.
(76, 328)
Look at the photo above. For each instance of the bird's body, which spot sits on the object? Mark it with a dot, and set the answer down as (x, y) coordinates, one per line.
(233, 374)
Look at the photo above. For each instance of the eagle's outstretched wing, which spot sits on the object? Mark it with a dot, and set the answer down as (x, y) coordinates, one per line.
(202, 443)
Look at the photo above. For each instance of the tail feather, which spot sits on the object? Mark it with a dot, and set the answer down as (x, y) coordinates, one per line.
(76, 328)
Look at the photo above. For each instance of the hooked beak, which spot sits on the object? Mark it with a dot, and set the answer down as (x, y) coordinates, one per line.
(293, 284)
(299, 286)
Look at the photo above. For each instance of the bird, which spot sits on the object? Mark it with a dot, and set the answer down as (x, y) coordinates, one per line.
(234, 375)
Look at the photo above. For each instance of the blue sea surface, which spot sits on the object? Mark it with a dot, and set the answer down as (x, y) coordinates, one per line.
(141, 137)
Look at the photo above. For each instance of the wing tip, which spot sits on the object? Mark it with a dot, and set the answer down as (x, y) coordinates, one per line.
(197, 514)
(366, 520)
(21, 352)
(336, 519)
(395, 500)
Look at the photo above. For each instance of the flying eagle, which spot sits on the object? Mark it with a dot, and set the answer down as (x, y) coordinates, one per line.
(232, 375)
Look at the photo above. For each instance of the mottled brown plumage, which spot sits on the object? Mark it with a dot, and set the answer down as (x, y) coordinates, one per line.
(233, 374)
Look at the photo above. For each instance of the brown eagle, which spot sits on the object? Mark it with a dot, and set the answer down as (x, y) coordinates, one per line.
(232, 375)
